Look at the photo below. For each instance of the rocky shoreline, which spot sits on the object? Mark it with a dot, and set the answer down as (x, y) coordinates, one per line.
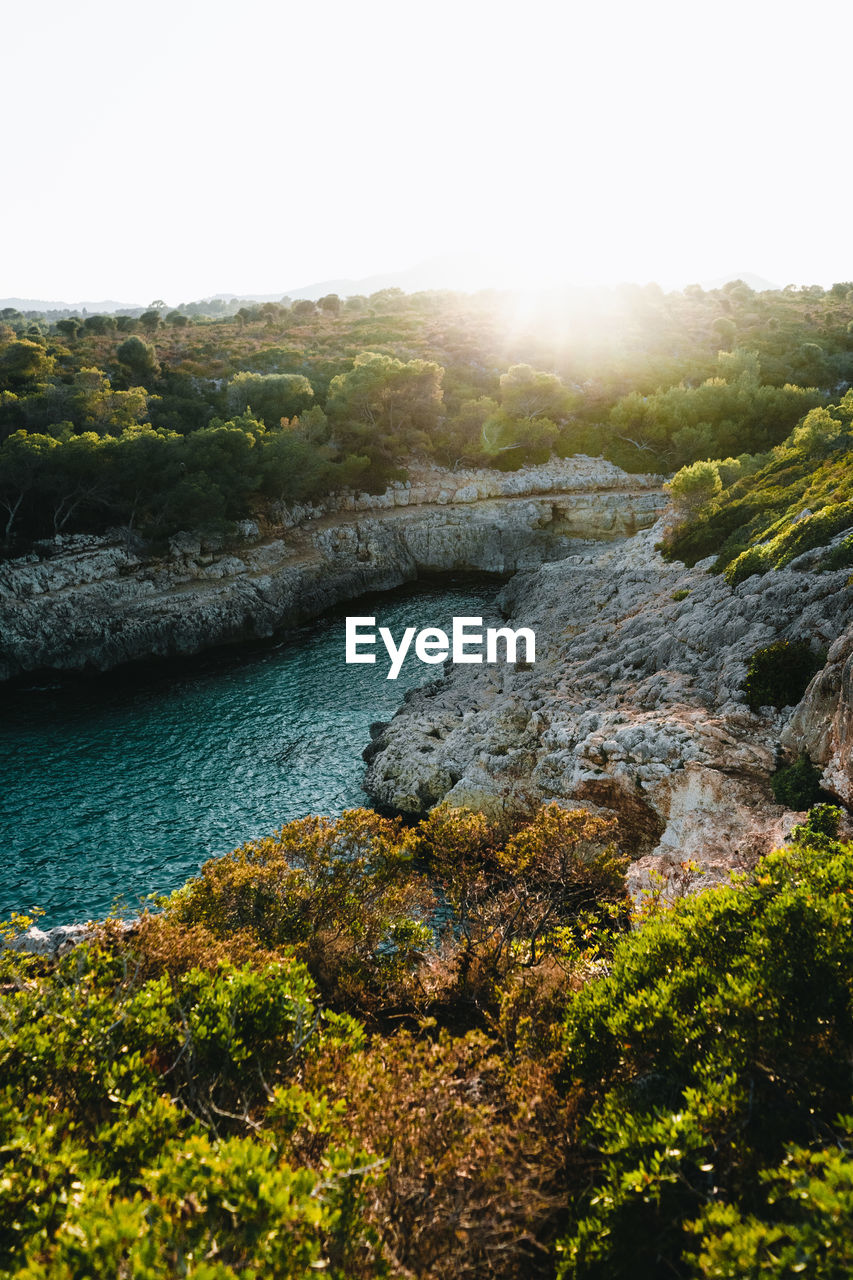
(96, 603)
(635, 706)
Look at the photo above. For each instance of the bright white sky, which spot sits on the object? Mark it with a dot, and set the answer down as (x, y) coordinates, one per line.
(179, 148)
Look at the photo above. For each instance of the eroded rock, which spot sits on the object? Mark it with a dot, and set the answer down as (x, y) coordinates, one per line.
(635, 705)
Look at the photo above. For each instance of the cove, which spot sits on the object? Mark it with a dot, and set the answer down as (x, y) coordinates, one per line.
(121, 785)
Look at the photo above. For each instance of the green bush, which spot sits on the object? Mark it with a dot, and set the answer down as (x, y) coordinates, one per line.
(797, 786)
(840, 557)
(777, 675)
(719, 1043)
(802, 1227)
(130, 1123)
(820, 826)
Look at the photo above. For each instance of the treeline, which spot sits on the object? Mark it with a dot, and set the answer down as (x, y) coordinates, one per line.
(295, 1067)
(357, 387)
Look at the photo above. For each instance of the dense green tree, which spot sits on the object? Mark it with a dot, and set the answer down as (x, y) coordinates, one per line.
(140, 358)
(22, 465)
(270, 396)
(24, 362)
(385, 406)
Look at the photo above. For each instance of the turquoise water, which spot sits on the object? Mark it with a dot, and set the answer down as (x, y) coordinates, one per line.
(123, 785)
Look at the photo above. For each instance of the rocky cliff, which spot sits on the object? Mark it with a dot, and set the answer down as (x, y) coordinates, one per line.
(635, 705)
(90, 602)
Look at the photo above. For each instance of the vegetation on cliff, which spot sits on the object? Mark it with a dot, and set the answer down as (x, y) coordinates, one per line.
(756, 513)
(162, 420)
(295, 1067)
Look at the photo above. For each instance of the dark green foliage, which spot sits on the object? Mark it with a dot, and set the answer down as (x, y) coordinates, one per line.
(820, 826)
(840, 557)
(714, 1063)
(778, 674)
(797, 786)
(732, 413)
(139, 357)
(271, 396)
(801, 1226)
(136, 1150)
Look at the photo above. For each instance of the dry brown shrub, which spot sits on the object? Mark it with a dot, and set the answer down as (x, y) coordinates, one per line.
(476, 1153)
(156, 944)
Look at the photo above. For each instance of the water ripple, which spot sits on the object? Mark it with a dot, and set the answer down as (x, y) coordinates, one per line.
(123, 786)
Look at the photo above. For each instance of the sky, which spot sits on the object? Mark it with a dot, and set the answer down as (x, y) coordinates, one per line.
(179, 149)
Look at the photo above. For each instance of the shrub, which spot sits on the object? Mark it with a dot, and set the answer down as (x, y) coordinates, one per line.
(474, 1151)
(131, 1123)
(840, 557)
(777, 675)
(719, 1042)
(695, 487)
(802, 1225)
(341, 894)
(797, 786)
(821, 826)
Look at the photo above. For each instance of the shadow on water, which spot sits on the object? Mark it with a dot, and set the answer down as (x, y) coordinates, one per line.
(119, 785)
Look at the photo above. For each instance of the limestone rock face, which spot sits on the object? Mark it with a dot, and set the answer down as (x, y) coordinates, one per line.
(634, 705)
(90, 602)
(822, 724)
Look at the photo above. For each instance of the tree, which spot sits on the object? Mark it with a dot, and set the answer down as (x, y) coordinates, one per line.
(96, 405)
(330, 303)
(534, 405)
(271, 396)
(99, 324)
(694, 487)
(528, 393)
(150, 321)
(384, 405)
(78, 475)
(724, 330)
(22, 465)
(24, 362)
(139, 357)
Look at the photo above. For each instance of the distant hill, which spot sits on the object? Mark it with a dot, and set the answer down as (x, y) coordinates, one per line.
(105, 307)
(758, 283)
(459, 272)
(462, 273)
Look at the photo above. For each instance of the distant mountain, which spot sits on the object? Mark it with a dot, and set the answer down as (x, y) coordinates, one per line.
(105, 307)
(460, 272)
(758, 283)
